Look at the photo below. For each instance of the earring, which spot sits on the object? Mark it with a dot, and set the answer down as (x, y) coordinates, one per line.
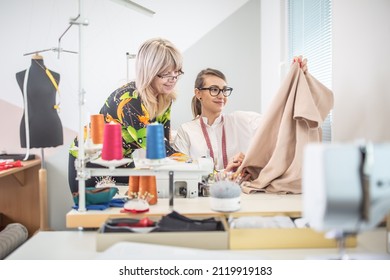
(200, 98)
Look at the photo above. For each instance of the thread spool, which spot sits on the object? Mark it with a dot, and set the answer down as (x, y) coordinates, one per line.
(86, 133)
(133, 185)
(112, 143)
(97, 128)
(148, 188)
(155, 146)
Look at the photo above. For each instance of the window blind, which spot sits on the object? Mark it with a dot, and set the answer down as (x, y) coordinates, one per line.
(310, 34)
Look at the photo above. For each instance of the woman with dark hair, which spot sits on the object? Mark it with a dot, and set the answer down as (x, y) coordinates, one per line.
(224, 137)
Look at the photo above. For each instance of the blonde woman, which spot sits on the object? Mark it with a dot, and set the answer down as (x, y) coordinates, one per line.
(143, 101)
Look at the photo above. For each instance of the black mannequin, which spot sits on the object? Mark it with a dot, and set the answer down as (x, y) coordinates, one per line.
(45, 128)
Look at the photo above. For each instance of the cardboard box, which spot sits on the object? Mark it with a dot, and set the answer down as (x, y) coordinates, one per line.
(281, 238)
(191, 239)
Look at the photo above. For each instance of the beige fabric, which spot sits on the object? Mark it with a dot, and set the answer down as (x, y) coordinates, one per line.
(274, 159)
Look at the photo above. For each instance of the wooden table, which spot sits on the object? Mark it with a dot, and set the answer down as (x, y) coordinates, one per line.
(19, 195)
(253, 204)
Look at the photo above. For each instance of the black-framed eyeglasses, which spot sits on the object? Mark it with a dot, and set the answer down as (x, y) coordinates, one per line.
(167, 77)
(214, 91)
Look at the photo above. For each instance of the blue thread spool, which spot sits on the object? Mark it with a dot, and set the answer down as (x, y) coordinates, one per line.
(155, 146)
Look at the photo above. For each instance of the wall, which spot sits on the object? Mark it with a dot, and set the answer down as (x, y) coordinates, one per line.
(273, 49)
(232, 46)
(361, 70)
(112, 32)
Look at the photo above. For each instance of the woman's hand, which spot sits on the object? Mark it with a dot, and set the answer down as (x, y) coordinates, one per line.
(235, 162)
(302, 62)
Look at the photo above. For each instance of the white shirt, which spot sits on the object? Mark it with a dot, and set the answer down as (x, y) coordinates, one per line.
(240, 127)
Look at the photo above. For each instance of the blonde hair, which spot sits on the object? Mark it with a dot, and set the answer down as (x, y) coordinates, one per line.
(196, 105)
(156, 56)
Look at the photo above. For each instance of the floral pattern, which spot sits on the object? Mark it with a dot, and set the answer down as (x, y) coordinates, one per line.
(124, 106)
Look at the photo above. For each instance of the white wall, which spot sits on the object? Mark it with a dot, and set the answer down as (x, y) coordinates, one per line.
(361, 70)
(232, 46)
(273, 49)
(113, 30)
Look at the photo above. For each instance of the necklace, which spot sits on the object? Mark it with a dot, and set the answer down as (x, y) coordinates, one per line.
(208, 142)
(53, 81)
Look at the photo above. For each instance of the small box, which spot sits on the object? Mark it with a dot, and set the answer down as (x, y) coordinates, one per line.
(281, 238)
(213, 240)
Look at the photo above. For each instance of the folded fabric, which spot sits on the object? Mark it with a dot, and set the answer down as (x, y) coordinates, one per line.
(4, 165)
(116, 202)
(273, 162)
(261, 222)
(173, 222)
(177, 222)
(128, 225)
(93, 206)
(110, 228)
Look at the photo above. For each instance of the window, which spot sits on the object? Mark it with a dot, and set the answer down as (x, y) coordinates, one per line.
(310, 35)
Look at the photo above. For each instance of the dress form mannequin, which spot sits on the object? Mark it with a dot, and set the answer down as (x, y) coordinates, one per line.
(45, 128)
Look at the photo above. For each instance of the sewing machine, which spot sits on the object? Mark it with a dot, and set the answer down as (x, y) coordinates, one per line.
(346, 187)
(186, 178)
(185, 185)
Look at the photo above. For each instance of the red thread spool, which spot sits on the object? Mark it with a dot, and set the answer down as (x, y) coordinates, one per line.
(112, 143)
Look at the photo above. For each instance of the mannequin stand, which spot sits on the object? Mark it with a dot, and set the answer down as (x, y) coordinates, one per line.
(43, 195)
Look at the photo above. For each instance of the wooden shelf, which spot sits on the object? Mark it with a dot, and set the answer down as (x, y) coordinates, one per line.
(19, 195)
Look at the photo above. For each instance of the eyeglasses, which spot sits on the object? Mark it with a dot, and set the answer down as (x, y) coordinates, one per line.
(167, 77)
(214, 91)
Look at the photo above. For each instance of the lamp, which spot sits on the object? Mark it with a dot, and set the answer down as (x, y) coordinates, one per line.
(134, 6)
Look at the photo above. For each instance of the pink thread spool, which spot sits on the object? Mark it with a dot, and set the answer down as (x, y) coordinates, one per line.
(112, 143)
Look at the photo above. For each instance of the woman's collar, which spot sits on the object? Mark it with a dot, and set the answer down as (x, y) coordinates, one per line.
(217, 121)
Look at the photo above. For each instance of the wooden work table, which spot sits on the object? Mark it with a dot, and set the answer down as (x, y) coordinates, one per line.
(19, 195)
(260, 204)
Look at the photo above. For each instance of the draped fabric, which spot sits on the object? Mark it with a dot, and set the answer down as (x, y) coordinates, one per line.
(273, 163)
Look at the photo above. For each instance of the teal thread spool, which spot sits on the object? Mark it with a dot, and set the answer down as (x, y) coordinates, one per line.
(155, 146)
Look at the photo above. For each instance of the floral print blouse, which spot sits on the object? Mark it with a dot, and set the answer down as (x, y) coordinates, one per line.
(124, 106)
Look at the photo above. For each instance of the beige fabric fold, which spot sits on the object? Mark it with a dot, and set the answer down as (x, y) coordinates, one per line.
(273, 162)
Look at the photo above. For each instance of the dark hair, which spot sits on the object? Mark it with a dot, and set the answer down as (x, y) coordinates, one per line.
(196, 106)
